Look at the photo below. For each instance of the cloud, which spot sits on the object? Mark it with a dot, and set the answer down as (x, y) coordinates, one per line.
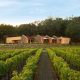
(6, 3)
(25, 10)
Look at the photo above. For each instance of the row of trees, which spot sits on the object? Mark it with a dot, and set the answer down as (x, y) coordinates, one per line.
(59, 27)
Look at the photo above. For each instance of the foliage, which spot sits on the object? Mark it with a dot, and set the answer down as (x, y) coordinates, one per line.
(62, 68)
(29, 68)
(72, 59)
(6, 30)
(13, 62)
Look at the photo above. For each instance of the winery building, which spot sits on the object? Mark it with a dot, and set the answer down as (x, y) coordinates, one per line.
(38, 39)
(18, 39)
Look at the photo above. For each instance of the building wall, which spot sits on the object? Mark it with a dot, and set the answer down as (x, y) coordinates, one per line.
(39, 39)
(54, 41)
(24, 39)
(60, 40)
(11, 39)
(20, 39)
(63, 40)
(49, 40)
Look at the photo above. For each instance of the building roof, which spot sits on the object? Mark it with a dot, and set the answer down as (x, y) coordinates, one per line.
(54, 36)
(63, 37)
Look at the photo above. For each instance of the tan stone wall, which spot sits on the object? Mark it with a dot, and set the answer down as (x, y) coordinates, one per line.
(63, 40)
(11, 39)
(24, 39)
(39, 39)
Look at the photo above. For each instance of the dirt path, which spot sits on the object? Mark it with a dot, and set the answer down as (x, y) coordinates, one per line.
(45, 70)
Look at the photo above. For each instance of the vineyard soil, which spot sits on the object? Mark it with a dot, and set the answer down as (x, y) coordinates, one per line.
(45, 69)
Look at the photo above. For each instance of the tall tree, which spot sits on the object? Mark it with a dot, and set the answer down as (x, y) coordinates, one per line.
(73, 30)
(27, 29)
(6, 30)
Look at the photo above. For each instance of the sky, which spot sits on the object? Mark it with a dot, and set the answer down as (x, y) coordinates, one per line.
(17, 12)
